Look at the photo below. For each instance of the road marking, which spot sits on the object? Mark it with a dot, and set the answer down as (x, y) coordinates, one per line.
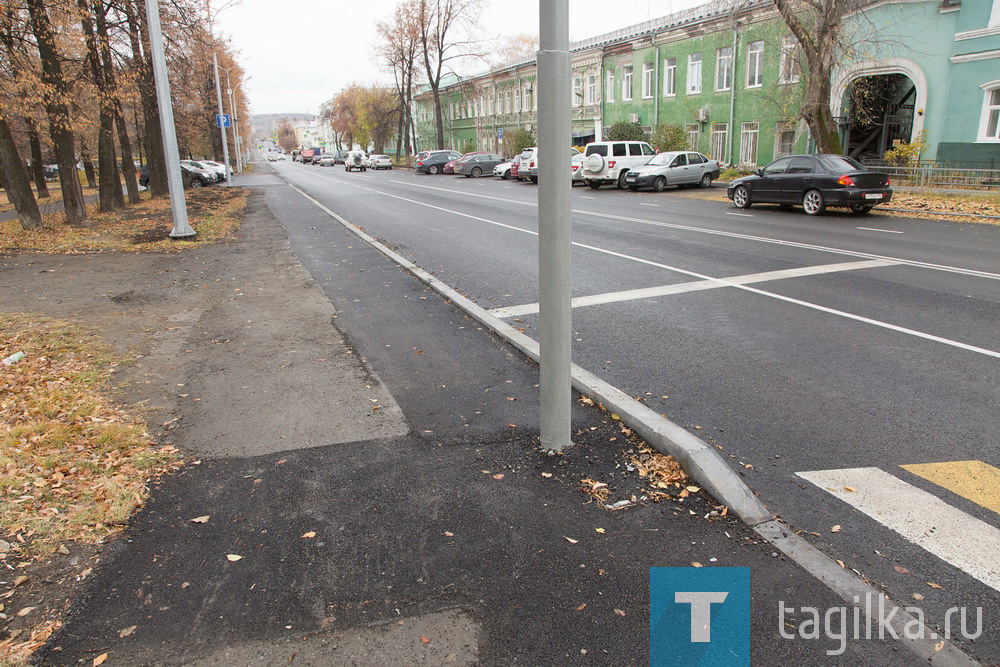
(950, 534)
(645, 204)
(786, 299)
(887, 231)
(681, 288)
(586, 197)
(973, 480)
(742, 215)
(736, 235)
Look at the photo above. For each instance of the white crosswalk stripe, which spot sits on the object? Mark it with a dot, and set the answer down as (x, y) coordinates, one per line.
(957, 538)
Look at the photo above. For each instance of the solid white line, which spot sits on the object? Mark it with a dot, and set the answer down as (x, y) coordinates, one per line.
(698, 285)
(735, 235)
(967, 543)
(586, 197)
(742, 215)
(887, 231)
(806, 304)
(645, 204)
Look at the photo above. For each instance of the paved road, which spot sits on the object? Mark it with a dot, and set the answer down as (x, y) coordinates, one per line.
(821, 354)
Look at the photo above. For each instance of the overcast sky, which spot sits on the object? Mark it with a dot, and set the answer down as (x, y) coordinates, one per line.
(300, 53)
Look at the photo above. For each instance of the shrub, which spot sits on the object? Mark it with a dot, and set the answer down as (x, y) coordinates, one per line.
(669, 138)
(623, 131)
(517, 141)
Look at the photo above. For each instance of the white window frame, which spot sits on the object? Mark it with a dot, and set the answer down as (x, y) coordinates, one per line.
(627, 72)
(749, 144)
(780, 129)
(577, 91)
(591, 96)
(609, 94)
(506, 100)
(723, 68)
(694, 74)
(669, 77)
(790, 70)
(648, 74)
(718, 140)
(990, 107)
(693, 135)
(526, 96)
(755, 64)
(517, 100)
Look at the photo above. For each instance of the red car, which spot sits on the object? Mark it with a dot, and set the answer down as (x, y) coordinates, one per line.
(515, 167)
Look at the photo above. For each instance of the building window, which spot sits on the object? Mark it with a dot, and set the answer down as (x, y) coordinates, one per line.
(592, 89)
(526, 95)
(647, 80)
(482, 105)
(748, 144)
(990, 125)
(609, 95)
(669, 77)
(785, 140)
(627, 83)
(517, 101)
(789, 72)
(489, 107)
(692, 132)
(717, 146)
(694, 74)
(755, 65)
(506, 101)
(724, 68)
(577, 91)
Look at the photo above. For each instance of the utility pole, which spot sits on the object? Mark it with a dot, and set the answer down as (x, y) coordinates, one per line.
(175, 183)
(222, 127)
(554, 225)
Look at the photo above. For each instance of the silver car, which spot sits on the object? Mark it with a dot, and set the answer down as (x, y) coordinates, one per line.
(678, 168)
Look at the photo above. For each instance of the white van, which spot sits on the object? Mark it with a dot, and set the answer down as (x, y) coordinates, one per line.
(609, 161)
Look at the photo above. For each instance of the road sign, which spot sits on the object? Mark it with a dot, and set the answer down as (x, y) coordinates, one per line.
(223, 120)
(499, 133)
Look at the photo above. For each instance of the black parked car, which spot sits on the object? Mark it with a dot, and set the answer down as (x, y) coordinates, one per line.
(432, 162)
(193, 178)
(814, 182)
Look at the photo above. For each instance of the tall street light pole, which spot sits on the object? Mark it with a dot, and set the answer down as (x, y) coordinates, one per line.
(222, 126)
(232, 115)
(175, 183)
(554, 225)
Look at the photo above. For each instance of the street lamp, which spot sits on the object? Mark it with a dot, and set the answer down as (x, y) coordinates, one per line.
(218, 87)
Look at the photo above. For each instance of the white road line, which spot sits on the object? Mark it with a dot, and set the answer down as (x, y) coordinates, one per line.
(742, 215)
(786, 299)
(586, 197)
(642, 203)
(967, 543)
(887, 231)
(681, 288)
(735, 235)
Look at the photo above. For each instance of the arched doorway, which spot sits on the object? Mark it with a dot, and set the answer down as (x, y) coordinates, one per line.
(878, 113)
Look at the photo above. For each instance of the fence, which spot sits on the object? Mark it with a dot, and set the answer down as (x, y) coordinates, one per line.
(933, 176)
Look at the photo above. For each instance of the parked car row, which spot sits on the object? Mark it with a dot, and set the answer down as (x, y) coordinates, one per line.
(195, 173)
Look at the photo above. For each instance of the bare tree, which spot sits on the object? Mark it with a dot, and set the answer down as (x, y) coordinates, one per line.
(446, 28)
(16, 181)
(399, 50)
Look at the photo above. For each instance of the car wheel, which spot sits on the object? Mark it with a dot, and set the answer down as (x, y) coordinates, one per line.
(660, 184)
(741, 197)
(621, 180)
(506, 175)
(593, 184)
(534, 179)
(433, 169)
(706, 181)
(861, 209)
(476, 172)
(813, 202)
(196, 183)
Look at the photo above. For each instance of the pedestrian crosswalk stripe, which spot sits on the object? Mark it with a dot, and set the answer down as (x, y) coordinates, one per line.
(974, 480)
(957, 538)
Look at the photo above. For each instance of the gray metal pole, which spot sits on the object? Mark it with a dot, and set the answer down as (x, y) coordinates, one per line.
(554, 239)
(225, 144)
(175, 182)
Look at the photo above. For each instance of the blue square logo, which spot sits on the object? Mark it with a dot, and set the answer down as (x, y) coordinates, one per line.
(699, 616)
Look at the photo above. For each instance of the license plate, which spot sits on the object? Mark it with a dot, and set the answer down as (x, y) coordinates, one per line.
(630, 178)
(873, 195)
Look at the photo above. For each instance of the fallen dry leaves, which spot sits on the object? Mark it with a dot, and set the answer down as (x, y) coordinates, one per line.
(213, 212)
(662, 472)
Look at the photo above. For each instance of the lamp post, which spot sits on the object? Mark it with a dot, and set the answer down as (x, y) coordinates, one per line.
(218, 87)
(235, 121)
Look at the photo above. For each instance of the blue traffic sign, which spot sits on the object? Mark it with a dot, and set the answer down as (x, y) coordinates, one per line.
(499, 133)
(223, 120)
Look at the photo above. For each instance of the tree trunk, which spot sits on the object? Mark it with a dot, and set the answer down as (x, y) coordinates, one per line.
(88, 168)
(37, 164)
(58, 113)
(128, 165)
(110, 187)
(139, 40)
(16, 181)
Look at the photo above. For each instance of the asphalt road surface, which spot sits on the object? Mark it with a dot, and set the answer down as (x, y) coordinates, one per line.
(847, 365)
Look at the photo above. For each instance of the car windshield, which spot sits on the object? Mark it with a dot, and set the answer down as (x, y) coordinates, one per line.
(839, 163)
(662, 159)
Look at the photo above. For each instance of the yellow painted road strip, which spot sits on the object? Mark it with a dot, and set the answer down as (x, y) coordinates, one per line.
(973, 480)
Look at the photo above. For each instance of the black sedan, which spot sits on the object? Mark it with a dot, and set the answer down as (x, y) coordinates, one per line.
(478, 164)
(433, 162)
(814, 182)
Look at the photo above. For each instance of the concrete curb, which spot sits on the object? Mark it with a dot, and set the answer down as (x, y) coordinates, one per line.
(700, 461)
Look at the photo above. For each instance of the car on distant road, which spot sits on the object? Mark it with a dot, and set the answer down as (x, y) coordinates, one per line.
(607, 162)
(432, 162)
(356, 160)
(377, 162)
(272, 157)
(475, 165)
(680, 168)
(328, 160)
(813, 182)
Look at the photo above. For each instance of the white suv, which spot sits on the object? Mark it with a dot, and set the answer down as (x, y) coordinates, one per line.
(609, 161)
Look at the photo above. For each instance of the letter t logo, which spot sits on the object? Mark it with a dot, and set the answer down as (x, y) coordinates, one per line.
(701, 611)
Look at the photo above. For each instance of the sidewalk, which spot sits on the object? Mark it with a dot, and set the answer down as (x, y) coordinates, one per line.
(353, 440)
